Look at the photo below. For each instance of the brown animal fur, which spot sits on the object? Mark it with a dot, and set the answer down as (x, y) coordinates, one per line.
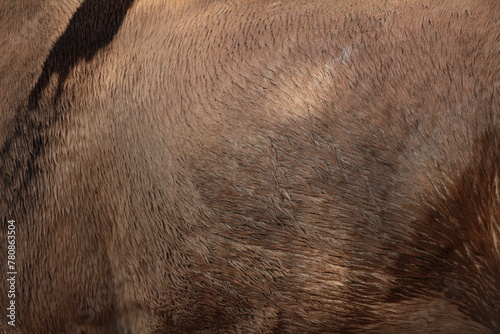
(252, 166)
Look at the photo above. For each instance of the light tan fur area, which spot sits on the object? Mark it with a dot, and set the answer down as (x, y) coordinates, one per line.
(262, 167)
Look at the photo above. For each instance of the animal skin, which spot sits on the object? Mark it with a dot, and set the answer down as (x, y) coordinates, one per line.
(251, 166)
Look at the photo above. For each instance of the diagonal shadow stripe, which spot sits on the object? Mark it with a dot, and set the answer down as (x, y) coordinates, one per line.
(92, 27)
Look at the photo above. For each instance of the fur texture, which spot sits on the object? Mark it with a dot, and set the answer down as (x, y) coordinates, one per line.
(253, 166)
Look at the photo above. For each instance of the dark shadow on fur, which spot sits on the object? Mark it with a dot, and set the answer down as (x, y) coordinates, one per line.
(93, 27)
